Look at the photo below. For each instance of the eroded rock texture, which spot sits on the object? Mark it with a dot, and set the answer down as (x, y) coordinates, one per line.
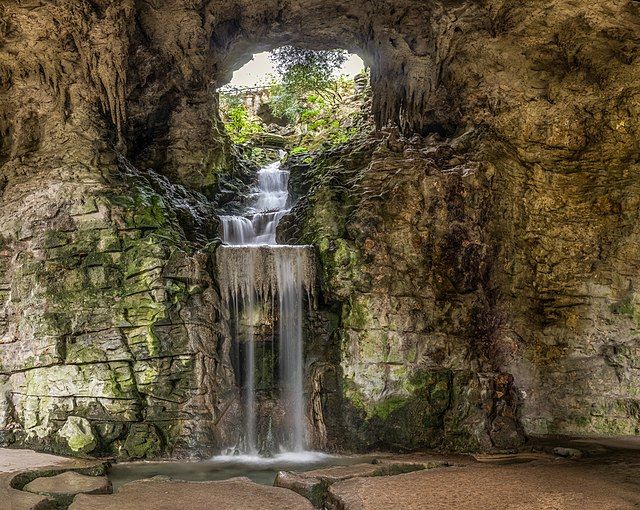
(481, 286)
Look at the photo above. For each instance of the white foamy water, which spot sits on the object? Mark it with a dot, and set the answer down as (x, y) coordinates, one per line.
(254, 269)
(267, 207)
(286, 458)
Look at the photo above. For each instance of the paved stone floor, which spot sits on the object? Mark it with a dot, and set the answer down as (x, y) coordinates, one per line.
(591, 475)
(12, 461)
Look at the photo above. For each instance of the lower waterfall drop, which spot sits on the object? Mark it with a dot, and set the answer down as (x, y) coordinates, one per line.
(256, 275)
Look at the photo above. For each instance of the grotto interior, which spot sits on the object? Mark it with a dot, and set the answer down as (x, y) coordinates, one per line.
(465, 261)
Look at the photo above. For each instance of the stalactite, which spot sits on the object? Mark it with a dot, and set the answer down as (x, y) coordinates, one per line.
(263, 282)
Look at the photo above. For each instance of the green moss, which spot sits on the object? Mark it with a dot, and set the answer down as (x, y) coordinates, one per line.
(78, 434)
(627, 307)
(399, 469)
(356, 313)
(106, 277)
(148, 376)
(143, 441)
(386, 407)
(153, 343)
(353, 395)
(412, 415)
(265, 367)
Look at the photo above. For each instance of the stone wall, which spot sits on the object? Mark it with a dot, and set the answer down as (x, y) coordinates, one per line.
(405, 264)
(110, 340)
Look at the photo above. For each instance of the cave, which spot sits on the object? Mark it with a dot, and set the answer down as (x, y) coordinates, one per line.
(470, 248)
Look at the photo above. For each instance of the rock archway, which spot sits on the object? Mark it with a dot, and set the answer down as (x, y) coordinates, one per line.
(485, 271)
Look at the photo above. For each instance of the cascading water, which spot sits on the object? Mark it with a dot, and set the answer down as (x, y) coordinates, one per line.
(258, 225)
(255, 271)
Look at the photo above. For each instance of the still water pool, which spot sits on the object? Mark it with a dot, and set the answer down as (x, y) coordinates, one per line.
(259, 469)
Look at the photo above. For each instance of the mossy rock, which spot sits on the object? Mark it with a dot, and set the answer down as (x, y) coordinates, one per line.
(78, 434)
(143, 441)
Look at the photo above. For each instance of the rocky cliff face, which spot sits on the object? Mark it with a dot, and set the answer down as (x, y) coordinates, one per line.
(479, 260)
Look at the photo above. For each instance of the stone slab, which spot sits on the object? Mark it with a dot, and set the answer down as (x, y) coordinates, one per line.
(16, 462)
(64, 487)
(313, 484)
(12, 461)
(18, 500)
(233, 494)
(521, 487)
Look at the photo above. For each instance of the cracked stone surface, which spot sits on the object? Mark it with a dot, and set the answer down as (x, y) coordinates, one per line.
(17, 463)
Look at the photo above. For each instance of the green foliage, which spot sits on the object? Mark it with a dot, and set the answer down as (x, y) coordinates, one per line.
(319, 108)
(328, 121)
(303, 71)
(298, 150)
(238, 121)
(303, 75)
(285, 102)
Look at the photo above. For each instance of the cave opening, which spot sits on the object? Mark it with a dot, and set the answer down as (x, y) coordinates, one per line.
(292, 100)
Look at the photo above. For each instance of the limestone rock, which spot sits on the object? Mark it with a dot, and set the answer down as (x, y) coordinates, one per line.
(142, 441)
(310, 487)
(314, 484)
(18, 500)
(478, 255)
(491, 488)
(572, 453)
(79, 435)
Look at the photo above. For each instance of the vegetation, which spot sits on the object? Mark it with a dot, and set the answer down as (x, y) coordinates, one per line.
(307, 102)
(302, 71)
(239, 123)
(303, 77)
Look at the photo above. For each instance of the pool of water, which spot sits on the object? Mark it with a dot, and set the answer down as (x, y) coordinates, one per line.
(259, 469)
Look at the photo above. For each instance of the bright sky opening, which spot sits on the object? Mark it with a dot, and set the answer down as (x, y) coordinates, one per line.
(257, 71)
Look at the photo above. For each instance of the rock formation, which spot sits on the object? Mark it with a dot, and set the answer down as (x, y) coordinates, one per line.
(479, 255)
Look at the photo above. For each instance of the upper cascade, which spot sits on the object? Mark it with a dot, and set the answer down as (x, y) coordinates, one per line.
(268, 206)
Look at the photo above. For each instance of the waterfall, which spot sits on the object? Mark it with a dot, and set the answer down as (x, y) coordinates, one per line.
(255, 271)
(290, 273)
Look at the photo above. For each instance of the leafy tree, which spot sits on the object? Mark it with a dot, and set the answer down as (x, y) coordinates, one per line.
(301, 73)
(305, 70)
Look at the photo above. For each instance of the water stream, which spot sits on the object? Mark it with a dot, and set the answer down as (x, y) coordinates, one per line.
(256, 273)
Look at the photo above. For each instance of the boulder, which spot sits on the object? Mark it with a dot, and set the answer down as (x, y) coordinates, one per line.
(64, 487)
(78, 434)
(310, 487)
(571, 453)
